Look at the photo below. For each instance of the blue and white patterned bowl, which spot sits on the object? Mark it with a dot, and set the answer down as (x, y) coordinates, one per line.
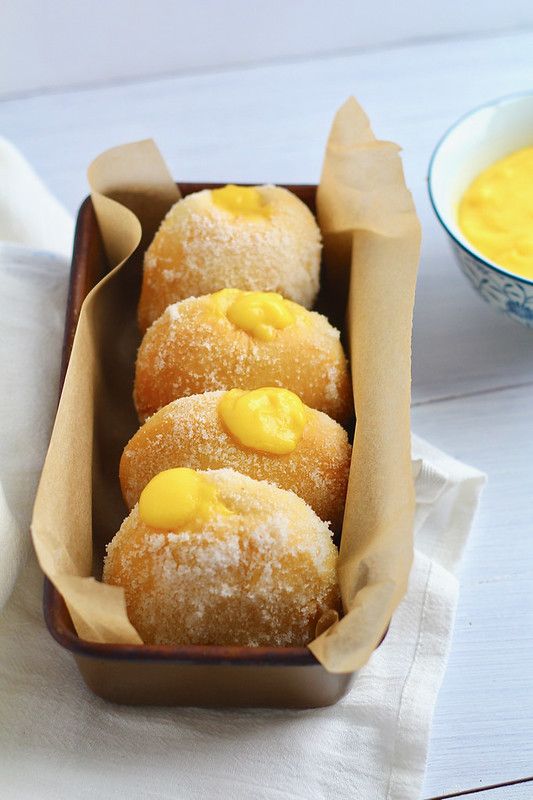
(476, 141)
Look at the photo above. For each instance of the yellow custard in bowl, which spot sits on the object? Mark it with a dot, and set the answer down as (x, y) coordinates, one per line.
(495, 213)
(480, 184)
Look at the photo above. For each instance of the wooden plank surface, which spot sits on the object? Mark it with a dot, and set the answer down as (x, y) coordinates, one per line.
(516, 790)
(483, 723)
(269, 124)
(95, 42)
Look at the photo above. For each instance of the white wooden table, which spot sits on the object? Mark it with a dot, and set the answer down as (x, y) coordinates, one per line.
(473, 369)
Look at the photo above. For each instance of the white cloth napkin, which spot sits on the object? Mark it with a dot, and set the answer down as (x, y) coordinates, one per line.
(32, 310)
(58, 741)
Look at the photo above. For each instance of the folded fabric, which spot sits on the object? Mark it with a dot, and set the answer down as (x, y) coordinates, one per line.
(29, 214)
(370, 745)
(33, 285)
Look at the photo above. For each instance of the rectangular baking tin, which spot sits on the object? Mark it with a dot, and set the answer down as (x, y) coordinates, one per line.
(193, 675)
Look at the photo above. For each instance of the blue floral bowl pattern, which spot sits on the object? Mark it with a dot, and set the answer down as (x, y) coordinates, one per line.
(499, 289)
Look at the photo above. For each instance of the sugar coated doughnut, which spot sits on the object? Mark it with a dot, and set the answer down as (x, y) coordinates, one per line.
(244, 340)
(218, 558)
(251, 237)
(268, 434)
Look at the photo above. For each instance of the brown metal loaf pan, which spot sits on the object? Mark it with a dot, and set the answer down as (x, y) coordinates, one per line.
(193, 675)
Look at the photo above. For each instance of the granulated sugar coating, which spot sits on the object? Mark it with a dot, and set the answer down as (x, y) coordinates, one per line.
(194, 348)
(262, 575)
(189, 433)
(201, 247)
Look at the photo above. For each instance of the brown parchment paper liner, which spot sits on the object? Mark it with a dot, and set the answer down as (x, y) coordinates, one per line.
(362, 198)
(77, 493)
(368, 221)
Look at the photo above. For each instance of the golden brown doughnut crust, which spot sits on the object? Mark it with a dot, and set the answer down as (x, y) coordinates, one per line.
(193, 348)
(189, 433)
(262, 575)
(201, 248)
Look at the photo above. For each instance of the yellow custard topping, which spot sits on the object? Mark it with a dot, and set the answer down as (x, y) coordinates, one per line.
(241, 201)
(269, 420)
(496, 212)
(179, 496)
(260, 314)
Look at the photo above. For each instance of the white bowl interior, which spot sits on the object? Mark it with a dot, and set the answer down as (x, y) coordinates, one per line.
(476, 142)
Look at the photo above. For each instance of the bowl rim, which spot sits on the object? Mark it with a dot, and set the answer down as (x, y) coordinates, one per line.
(470, 250)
